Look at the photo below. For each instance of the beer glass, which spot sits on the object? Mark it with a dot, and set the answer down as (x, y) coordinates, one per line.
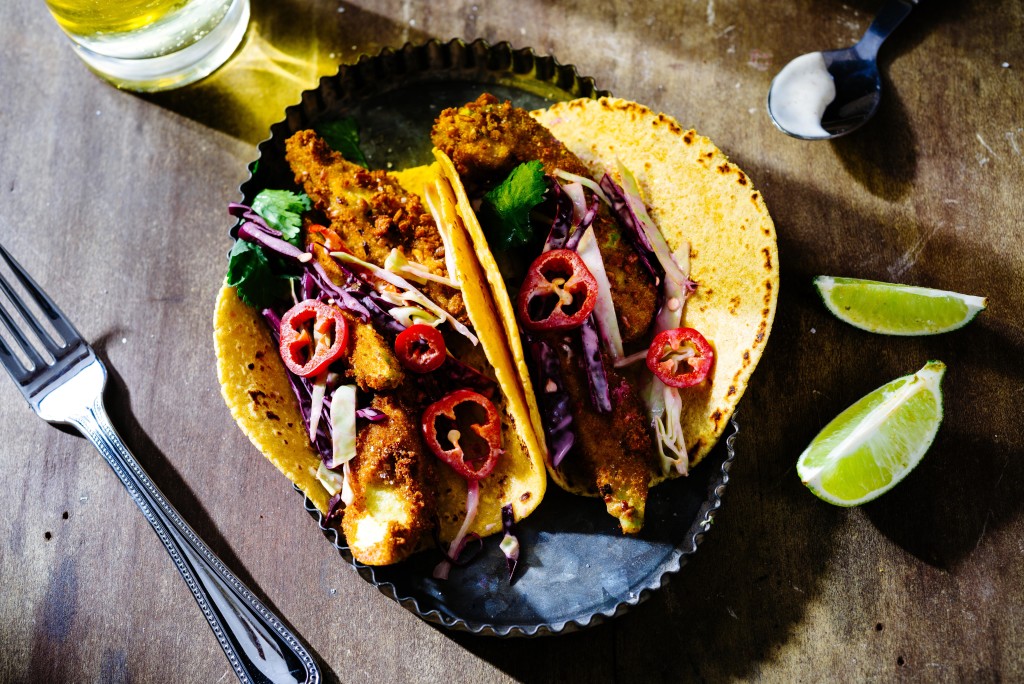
(150, 45)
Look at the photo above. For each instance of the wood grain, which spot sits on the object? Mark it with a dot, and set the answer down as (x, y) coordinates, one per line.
(116, 202)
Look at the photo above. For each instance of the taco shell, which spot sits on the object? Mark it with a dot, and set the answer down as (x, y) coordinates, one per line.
(696, 196)
(256, 389)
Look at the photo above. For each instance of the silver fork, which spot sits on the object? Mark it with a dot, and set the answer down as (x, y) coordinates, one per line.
(69, 390)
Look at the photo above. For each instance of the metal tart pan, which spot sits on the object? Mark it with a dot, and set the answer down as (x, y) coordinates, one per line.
(576, 569)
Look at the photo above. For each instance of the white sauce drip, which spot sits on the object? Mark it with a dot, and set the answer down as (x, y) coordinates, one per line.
(799, 95)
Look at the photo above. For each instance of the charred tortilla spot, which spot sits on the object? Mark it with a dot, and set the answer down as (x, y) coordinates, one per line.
(742, 180)
(734, 304)
(767, 258)
(688, 138)
(251, 366)
(525, 496)
(723, 168)
(257, 396)
(731, 391)
(272, 416)
(716, 417)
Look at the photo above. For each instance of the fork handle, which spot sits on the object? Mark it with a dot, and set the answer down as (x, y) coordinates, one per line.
(259, 648)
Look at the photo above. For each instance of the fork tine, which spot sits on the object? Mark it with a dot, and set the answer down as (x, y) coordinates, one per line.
(19, 337)
(13, 365)
(57, 319)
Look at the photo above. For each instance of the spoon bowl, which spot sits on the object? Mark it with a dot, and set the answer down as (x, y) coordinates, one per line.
(823, 95)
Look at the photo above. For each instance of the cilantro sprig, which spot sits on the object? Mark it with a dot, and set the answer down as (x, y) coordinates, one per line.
(250, 273)
(282, 210)
(505, 211)
(259, 280)
(342, 136)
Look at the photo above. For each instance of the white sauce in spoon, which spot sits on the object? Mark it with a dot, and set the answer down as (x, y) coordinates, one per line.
(799, 95)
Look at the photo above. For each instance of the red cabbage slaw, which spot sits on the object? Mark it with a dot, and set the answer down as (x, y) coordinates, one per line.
(664, 403)
(442, 569)
(510, 541)
(567, 229)
(552, 397)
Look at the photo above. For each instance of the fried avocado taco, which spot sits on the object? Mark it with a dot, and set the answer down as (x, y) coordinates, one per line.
(359, 350)
(636, 272)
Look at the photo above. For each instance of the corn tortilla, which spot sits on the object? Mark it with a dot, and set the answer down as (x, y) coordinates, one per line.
(696, 196)
(255, 387)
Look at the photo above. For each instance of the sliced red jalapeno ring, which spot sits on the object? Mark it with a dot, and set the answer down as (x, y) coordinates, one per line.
(680, 357)
(463, 429)
(420, 348)
(313, 335)
(558, 293)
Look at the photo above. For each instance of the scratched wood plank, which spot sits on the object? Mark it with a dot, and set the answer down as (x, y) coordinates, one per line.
(116, 203)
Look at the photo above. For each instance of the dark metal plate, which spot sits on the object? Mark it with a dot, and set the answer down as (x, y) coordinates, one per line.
(577, 568)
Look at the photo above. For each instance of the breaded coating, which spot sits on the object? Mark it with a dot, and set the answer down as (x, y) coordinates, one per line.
(486, 139)
(614, 452)
(371, 212)
(392, 484)
(373, 365)
(371, 361)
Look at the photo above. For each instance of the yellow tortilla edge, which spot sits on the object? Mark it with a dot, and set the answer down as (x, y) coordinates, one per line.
(502, 301)
(520, 477)
(259, 397)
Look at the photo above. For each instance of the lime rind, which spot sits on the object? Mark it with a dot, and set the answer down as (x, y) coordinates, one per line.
(871, 446)
(894, 309)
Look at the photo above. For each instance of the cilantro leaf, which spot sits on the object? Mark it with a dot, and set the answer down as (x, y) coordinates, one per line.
(250, 273)
(282, 210)
(506, 208)
(342, 136)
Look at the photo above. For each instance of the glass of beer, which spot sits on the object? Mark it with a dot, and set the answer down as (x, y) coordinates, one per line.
(150, 45)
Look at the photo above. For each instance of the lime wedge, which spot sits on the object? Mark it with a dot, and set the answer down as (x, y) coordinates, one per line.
(872, 445)
(891, 309)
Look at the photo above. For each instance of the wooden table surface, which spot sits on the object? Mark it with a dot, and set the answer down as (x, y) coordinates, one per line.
(116, 202)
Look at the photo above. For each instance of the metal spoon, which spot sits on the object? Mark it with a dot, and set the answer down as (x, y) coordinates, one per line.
(823, 95)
